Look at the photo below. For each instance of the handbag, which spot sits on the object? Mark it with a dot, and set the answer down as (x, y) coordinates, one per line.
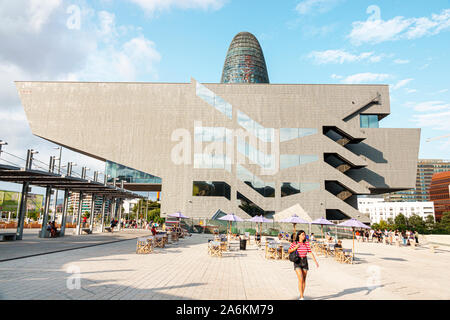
(294, 257)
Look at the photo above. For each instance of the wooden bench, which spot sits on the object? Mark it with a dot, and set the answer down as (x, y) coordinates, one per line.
(8, 236)
(86, 230)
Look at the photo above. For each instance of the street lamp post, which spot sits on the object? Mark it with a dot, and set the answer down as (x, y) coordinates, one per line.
(59, 172)
(2, 143)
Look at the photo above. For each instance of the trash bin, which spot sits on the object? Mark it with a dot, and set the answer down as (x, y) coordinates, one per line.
(243, 244)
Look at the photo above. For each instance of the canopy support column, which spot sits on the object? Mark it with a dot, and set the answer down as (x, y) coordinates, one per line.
(64, 213)
(80, 204)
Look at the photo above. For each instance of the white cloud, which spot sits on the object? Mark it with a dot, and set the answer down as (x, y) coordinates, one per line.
(437, 121)
(442, 91)
(341, 56)
(335, 76)
(367, 77)
(401, 61)
(377, 30)
(401, 83)
(429, 106)
(44, 48)
(39, 12)
(410, 90)
(151, 6)
(310, 6)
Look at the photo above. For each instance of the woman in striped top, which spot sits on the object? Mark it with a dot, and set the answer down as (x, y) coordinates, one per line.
(300, 244)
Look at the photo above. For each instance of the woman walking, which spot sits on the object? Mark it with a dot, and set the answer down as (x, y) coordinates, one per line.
(300, 244)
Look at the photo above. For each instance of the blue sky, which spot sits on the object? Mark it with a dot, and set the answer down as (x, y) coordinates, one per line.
(401, 43)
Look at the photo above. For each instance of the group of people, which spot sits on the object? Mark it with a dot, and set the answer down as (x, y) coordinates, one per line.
(393, 236)
(51, 227)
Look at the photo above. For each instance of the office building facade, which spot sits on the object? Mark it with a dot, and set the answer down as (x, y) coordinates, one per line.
(426, 168)
(440, 193)
(378, 209)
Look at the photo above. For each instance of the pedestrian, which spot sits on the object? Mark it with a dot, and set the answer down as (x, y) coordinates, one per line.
(302, 247)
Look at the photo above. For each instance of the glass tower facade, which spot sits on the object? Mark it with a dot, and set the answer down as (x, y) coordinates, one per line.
(244, 62)
(130, 175)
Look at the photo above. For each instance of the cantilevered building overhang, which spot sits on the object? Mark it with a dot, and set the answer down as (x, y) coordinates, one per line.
(321, 141)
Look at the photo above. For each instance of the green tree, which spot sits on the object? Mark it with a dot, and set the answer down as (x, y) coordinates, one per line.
(416, 223)
(391, 224)
(429, 224)
(401, 222)
(383, 225)
(443, 226)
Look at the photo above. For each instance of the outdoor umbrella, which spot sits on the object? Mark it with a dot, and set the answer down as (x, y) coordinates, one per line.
(230, 218)
(177, 215)
(353, 223)
(259, 219)
(323, 222)
(294, 219)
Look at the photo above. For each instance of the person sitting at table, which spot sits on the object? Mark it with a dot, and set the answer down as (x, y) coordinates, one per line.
(338, 244)
(313, 238)
(153, 230)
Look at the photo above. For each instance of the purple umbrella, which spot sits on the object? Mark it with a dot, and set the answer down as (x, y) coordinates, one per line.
(294, 219)
(231, 217)
(177, 215)
(259, 219)
(353, 223)
(323, 222)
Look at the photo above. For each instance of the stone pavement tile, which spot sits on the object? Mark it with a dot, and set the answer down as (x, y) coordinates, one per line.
(185, 271)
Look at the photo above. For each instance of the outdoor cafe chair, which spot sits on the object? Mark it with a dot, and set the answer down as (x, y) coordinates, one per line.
(215, 249)
(144, 245)
(159, 241)
(348, 256)
(339, 255)
(330, 249)
(271, 250)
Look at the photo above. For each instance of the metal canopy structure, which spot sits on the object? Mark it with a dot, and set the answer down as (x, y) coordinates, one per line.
(48, 179)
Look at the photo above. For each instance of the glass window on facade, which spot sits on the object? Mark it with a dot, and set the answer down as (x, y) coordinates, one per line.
(214, 100)
(211, 189)
(293, 160)
(259, 131)
(368, 120)
(287, 134)
(266, 189)
(251, 208)
(123, 173)
(212, 161)
(265, 161)
(290, 188)
(213, 134)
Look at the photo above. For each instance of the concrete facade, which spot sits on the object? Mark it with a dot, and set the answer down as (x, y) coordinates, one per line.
(143, 125)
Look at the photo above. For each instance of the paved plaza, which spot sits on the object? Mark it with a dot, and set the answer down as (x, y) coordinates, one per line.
(184, 271)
